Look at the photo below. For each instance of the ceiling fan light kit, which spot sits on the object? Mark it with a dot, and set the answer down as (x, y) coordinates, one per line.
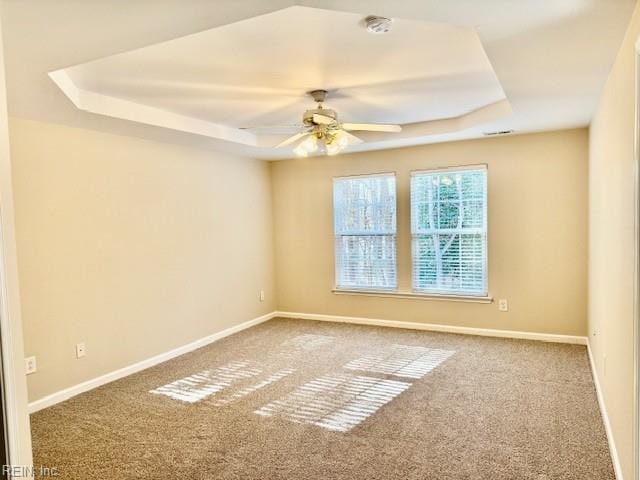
(322, 132)
(329, 143)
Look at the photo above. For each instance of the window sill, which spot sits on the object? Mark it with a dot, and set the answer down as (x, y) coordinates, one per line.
(414, 295)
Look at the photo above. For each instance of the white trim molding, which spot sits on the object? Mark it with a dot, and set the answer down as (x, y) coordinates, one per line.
(70, 392)
(485, 332)
(127, 110)
(440, 297)
(636, 265)
(16, 417)
(67, 393)
(605, 417)
(90, 101)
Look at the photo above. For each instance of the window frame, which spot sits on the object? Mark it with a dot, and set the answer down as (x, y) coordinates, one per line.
(442, 292)
(347, 289)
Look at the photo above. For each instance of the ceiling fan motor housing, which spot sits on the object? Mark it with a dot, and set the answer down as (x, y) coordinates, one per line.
(307, 118)
(318, 95)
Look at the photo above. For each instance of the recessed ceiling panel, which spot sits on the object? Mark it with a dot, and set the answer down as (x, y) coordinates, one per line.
(256, 72)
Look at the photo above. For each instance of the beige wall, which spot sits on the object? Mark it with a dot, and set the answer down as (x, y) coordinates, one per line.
(132, 247)
(537, 232)
(611, 221)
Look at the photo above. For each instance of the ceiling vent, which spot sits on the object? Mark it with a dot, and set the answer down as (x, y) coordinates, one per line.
(377, 25)
(500, 132)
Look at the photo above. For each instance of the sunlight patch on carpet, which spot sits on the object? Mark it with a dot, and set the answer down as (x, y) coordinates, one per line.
(401, 361)
(206, 383)
(243, 392)
(336, 402)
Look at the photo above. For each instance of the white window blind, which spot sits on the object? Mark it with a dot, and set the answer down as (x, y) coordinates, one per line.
(449, 231)
(365, 232)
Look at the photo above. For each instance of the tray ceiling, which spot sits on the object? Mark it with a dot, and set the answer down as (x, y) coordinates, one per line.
(547, 62)
(257, 72)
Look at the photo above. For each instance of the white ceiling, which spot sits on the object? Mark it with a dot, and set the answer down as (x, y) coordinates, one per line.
(551, 59)
(257, 72)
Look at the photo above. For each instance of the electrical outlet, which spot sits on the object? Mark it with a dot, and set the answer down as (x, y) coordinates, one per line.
(80, 350)
(30, 365)
(262, 295)
(503, 305)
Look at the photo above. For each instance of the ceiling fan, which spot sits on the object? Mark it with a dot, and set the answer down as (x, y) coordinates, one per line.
(321, 130)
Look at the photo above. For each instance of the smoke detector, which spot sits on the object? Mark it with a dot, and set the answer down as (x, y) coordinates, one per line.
(377, 25)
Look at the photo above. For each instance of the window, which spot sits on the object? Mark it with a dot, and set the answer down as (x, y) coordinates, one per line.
(449, 231)
(365, 231)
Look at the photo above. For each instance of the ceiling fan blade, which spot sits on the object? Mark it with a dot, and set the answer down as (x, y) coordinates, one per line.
(353, 140)
(292, 139)
(371, 127)
(275, 129)
(323, 119)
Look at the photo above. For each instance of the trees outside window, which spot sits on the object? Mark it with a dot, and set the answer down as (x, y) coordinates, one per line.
(365, 232)
(449, 231)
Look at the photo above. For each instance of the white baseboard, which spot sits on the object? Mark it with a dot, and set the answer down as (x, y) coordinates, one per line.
(486, 332)
(67, 393)
(605, 417)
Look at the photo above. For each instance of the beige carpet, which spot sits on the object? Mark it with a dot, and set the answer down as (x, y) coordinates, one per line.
(293, 399)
